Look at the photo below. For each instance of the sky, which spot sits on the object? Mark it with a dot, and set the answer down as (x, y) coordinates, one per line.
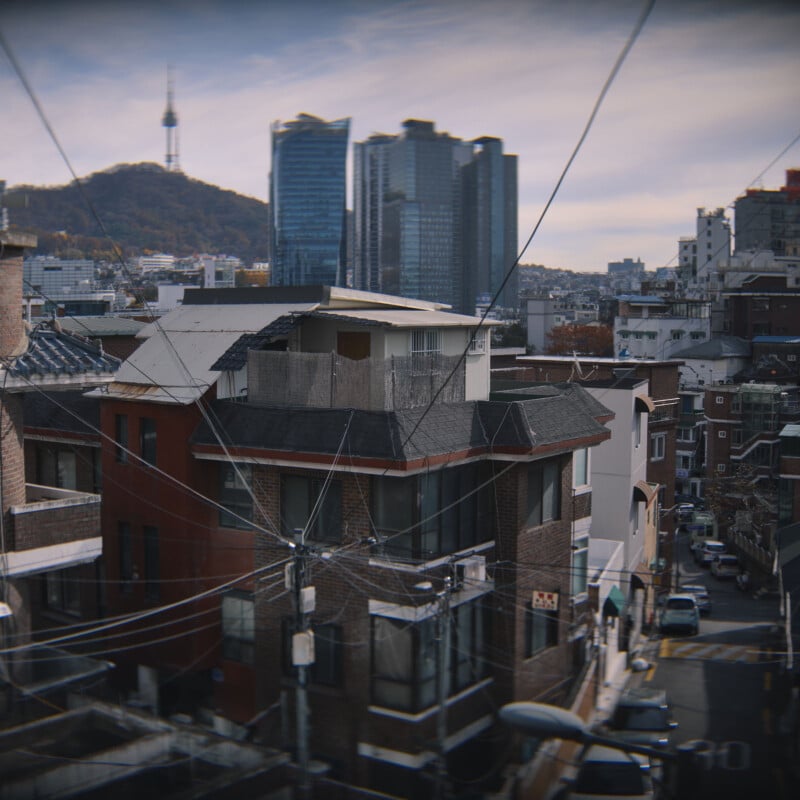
(704, 104)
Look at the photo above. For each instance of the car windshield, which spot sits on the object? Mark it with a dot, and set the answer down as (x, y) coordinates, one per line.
(617, 779)
(646, 718)
(680, 603)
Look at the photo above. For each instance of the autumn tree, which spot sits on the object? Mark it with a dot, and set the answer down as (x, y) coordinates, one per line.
(589, 340)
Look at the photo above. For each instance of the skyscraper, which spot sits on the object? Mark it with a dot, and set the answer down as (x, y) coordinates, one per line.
(308, 201)
(434, 216)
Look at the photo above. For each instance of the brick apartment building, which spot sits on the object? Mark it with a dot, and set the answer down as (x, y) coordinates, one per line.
(364, 421)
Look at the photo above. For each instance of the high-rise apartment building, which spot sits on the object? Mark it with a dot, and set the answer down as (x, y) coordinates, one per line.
(435, 217)
(768, 219)
(308, 201)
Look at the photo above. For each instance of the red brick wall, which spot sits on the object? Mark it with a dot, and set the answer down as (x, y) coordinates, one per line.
(56, 526)
(10, 301)
(12, 454)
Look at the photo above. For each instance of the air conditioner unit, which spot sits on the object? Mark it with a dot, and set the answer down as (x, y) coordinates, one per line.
(471, 570)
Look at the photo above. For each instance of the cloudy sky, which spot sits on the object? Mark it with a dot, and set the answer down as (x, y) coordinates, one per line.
(707, 99)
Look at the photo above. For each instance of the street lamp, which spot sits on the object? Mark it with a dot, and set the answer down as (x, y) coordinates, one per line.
(551, 722)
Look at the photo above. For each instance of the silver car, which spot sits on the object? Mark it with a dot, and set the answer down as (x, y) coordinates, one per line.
(701, 596)
(680, 613)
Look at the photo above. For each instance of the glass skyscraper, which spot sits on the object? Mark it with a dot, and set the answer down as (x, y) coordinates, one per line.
(307, 194)
(435, 217)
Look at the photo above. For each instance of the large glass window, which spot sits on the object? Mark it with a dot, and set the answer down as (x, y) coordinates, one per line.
(62, 591)
(238, 627)
(147, 440)
(580, 565)
(541, 630)
(544, 492)
(405, 657)
(300, 495)
(56, 467)
(580, 461)
(433, 514)
(234, 495)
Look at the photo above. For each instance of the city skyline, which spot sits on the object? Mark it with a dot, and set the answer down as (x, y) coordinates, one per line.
(704, 103)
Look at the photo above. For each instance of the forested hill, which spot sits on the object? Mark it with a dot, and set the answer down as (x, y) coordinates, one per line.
(144, 209)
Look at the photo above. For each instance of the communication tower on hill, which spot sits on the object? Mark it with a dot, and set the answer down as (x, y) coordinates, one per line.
(170, 122)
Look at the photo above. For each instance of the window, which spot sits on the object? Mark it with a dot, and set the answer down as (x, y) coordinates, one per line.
(403, 663)
(121, 438)
(736, 436)
(125, 556)
(677, 335)
(544, 492)
(147, 440)
(580, 462)
(299, 498)
(56, 467)
(722, 434)
(541, 630)
(434, 513)
(426, 342)
(658, 444)
(62, 591)
(695, 335)
(637, 429)
(719, 399)
(721, 467)
(651, 335)
(405, 656)
(580, 565)
(477, 344)
(685, 435)
(328, 652)
(234, 495)
(238, 627)
(151, 564)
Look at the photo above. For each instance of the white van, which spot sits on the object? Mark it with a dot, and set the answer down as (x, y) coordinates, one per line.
(702, 528)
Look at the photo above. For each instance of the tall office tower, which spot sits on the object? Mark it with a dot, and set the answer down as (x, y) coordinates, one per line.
(489, 225)
(769, 219)
(432, 215)
(307, 194)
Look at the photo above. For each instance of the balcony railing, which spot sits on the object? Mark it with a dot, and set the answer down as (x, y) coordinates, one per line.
(54, 529)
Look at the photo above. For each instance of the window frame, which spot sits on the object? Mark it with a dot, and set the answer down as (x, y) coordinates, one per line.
(327, 527)
(238, 640)
(541, 630)
(121, 438)
(658, 446)
(148, 441)
(543, 477)
(234, 496)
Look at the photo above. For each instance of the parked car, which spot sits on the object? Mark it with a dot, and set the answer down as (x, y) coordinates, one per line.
(725, 566)
(680, 613)
(605, 772)
(684, 512)
(701, 596)
(642, 716)
(706, 554)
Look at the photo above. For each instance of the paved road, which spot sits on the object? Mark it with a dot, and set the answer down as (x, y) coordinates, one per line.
(728, 685)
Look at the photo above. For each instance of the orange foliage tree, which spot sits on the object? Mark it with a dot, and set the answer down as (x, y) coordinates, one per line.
(589, 340)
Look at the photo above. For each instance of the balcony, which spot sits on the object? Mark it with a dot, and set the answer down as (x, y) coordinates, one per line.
(327, 380)
(54, 529)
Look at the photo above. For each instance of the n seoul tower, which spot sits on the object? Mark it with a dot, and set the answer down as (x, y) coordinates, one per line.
(170, 122)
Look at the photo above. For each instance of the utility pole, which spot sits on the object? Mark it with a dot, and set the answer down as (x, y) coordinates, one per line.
(302, 656)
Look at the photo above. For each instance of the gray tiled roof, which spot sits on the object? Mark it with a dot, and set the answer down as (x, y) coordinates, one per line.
(53, 353)
(410, 434)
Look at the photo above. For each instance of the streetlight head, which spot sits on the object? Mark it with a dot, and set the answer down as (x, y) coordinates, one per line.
(544, 721)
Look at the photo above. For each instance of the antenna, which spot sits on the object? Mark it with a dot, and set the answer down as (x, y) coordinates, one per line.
(170, 122)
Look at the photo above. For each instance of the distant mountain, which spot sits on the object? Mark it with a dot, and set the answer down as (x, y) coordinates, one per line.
(144, 209)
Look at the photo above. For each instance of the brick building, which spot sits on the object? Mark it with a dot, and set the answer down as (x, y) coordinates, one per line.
(51, 526)
(365, 422)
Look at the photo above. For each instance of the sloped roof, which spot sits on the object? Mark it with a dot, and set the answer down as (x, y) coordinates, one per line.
(717, 347)
(63, 412)
(51, 353)
(178, 361)
(102, 325)
(408, 435)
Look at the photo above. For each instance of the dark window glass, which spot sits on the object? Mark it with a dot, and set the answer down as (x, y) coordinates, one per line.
(541, 630)
(151, 564)
(305, 507)
(121, 438)
(544, 492)
(234, 495)
(125, 556)
(147, 440)
(238, 627)
(327, 667)
(62, 591)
